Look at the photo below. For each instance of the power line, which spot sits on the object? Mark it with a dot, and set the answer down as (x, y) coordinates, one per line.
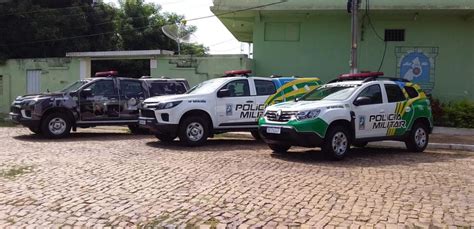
(222, 42)
(236, 11)
(111, 32)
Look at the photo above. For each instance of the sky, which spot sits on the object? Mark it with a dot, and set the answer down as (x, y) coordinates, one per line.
(211, 32)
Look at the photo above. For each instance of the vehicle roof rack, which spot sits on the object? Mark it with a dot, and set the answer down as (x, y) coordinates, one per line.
(237, 73)
(386, 78)
(366, 77)
(278, 76)
(106, 74)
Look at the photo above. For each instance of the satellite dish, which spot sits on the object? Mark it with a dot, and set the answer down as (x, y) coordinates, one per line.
(177, 32)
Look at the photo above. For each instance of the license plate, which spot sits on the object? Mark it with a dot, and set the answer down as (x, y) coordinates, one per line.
(273, 130)
(142, 122)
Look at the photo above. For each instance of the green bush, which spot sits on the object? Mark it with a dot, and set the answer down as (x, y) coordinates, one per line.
(453, 114)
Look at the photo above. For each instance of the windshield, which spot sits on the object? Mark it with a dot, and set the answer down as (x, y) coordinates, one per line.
(74, 86)
(336, 92)
(206, 86)
(167, 88)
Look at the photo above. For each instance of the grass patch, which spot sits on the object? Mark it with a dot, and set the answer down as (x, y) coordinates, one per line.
(212, 222)
(5, 121)
(15, 171)
(154, 223)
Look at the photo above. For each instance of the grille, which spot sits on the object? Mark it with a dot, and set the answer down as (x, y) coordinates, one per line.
(284, 117)
(15, 110)
(147, 113)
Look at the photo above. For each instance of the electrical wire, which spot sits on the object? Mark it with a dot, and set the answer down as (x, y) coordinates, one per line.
(111, 32)
(367, 13)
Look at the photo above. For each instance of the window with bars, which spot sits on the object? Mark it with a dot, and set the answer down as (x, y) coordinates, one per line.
(394, 35)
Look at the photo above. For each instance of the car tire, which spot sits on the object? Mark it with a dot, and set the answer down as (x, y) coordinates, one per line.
(135, 129)
(35, 130)
(194, 131)
(56, 125)
(418, 138)
(337, 143)
(256, 135)
(279, 149)
(360, 144)
(165, 137)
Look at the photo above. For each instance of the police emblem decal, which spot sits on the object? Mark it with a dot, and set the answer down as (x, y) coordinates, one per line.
(228, 109)
(361, 122)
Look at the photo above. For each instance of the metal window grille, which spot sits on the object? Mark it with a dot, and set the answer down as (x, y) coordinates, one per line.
(394, 35)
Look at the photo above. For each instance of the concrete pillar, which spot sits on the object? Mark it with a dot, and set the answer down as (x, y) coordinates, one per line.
(153, 65)
(84, 68)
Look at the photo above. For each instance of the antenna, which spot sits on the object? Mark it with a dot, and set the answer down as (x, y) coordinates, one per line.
(177, 32)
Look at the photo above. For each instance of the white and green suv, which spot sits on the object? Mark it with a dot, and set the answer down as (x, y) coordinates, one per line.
(352, 110)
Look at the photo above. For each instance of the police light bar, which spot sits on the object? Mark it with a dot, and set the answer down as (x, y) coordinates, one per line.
(237, 72)
(106, 74)
(360, 75)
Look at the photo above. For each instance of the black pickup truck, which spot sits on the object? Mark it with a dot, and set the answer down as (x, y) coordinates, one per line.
(101, 101)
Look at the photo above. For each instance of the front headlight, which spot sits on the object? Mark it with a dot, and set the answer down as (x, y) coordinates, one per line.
(311, 114)
(30, 102)
(168, 105)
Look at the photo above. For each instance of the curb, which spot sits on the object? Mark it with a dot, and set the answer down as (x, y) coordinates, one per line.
(396, 144)
(462, 147)
(453, 131)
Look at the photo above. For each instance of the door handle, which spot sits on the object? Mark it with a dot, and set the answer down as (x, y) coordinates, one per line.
(382, 111)
(249, 101)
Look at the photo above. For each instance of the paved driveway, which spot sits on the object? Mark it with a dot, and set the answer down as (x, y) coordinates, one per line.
(116, 179)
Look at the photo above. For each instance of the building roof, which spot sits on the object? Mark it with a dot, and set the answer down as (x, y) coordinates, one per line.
(132, 54)
(223, 5)
(239, 19)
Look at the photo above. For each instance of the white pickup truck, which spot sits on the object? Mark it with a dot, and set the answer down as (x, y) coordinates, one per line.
(215, 106)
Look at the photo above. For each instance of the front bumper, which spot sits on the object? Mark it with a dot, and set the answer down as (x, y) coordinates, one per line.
(151, 123)
(28, 122)
(289, 136)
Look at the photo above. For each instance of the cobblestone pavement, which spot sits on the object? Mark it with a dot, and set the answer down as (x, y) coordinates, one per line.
(120, 180)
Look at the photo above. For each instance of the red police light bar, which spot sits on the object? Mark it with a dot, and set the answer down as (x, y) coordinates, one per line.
(104, 74)
(237, 72)
(360, 75)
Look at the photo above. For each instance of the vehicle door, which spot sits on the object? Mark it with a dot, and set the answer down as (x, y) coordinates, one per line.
(370, 115)
(263, 89)
(99, 101)
(132, 94)
(399, 112)
(235, 105)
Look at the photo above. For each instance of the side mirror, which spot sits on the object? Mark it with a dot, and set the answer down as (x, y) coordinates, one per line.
(362, 101)
(86, 93)
(223, 93)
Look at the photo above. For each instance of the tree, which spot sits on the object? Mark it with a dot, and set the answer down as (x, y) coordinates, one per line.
(38, 28)
(50, 28)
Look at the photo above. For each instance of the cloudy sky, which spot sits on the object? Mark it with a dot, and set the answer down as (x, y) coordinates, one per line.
(211, 32)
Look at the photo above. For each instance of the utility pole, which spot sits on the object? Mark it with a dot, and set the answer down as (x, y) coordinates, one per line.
(353, 8)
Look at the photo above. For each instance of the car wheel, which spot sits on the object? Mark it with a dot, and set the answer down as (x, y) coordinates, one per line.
(35, 130)
(279, 149)
(194, 131)
(135, 129)
(256, 135)
(165, 137)
(337, 143)
(418, 138)
(56, 125)
(360, 144)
